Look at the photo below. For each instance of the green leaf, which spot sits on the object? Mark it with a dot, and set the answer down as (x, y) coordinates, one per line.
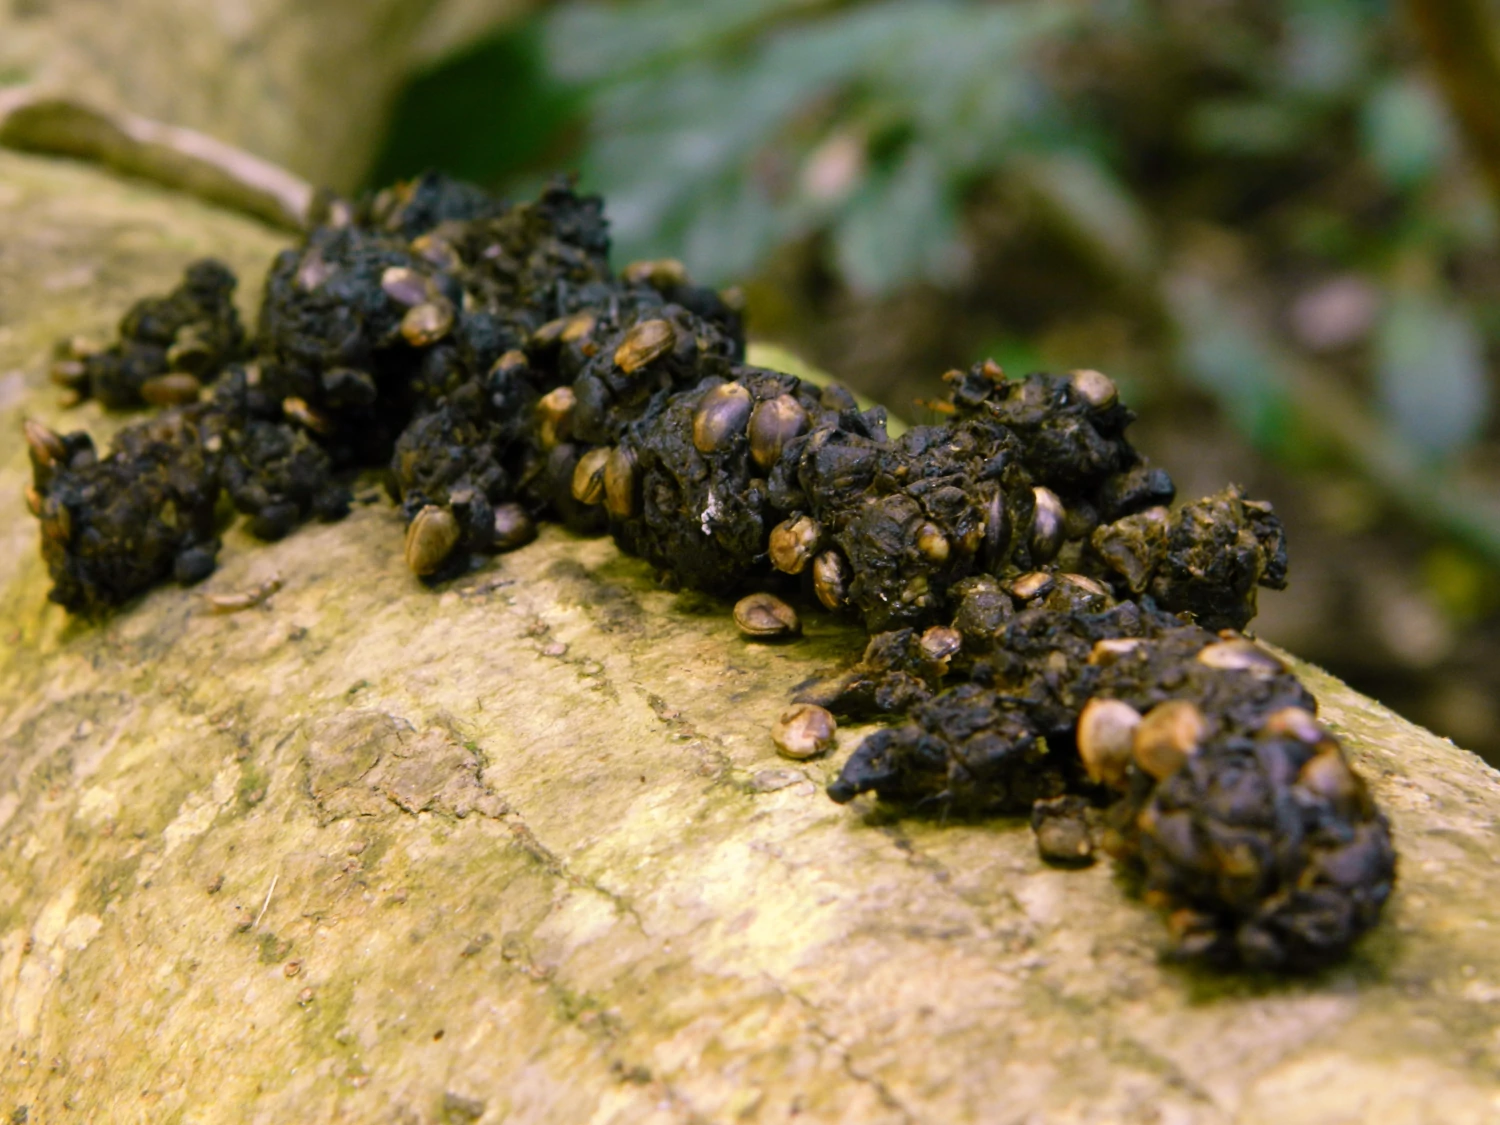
(1406, 132)
(1094, 208)
(900, 226)
(728, 233)
(1225, 356)
(589, 42)
(659, 162)
(1325, 46)
(502, 82)
(702, 116)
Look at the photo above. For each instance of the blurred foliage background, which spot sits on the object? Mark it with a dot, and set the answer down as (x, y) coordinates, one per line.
(1275, 222)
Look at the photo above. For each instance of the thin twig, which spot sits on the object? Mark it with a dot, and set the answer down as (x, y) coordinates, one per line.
(248, 599)
(34, 120)
(267, 904)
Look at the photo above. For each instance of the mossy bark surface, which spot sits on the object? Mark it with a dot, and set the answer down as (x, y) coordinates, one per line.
(306, 85)
(519, 849)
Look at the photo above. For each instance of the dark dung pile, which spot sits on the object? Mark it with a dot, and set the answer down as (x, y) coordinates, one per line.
(1048, 634)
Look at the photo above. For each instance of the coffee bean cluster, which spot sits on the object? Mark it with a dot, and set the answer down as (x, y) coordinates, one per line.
(1045, 626)
(1194, 757)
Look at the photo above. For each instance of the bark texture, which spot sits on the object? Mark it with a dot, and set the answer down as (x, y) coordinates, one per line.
(521, 850)
(304, 85)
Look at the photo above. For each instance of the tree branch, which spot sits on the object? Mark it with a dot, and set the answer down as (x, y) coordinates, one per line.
(1463, 44)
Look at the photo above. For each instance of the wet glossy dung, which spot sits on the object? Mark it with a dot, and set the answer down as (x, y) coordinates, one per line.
(514, 527)
(1062, 831)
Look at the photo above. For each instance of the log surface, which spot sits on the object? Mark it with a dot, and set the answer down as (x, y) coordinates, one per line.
(305, 85)
(520, 849)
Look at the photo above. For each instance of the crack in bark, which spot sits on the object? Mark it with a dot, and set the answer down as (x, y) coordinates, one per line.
(846, 1061)
(528, 841)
